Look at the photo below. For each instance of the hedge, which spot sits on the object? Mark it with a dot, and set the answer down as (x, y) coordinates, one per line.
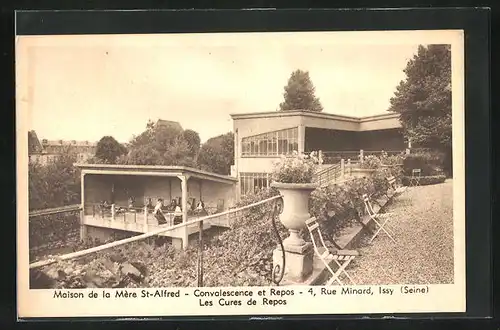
(430, 163)
(425, 180)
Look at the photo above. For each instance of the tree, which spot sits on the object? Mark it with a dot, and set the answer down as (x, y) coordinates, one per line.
(217, 154)
(193, 140)
(162, 143)
(108, 149)
(55, 184)
(300, 93)
(423, 100)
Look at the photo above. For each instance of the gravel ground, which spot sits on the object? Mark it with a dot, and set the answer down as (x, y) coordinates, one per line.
(423, 252)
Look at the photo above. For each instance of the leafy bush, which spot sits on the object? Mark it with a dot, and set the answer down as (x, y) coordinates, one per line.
(426, 180)
(338, 205)
(53, 231)
(55, 184)
(431, 163)
(371, 162)
(296, 169)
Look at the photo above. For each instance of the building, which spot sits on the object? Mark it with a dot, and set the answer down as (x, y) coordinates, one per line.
(260, 139)
(118, 185)
(48, 150)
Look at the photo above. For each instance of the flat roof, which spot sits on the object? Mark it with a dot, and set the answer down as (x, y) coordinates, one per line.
(153, 170)
(306, 113)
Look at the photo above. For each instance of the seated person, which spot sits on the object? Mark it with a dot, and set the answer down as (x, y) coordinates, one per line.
(158, 212)
(149, 205)
(177, 215)
(131, 203)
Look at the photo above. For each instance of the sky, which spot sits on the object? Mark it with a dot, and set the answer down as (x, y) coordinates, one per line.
(85, 87)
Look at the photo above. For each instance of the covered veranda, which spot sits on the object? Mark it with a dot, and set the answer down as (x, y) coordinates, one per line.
(122, 197)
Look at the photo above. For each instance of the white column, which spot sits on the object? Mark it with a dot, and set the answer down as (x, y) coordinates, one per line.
(184, 180)
(342, 167)
(83, 228)
(301, 138)
(145, 225)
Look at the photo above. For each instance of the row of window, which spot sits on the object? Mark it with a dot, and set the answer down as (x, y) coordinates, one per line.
(253, 182)
(275, 143)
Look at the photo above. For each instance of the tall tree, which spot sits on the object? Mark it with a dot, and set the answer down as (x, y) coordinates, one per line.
(217, 154)
(300, 93)
(162, 143)
(423, 99)
(193, 140)
(55, 184)
(108, 149)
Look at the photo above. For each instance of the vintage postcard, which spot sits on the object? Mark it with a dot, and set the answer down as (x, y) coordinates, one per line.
(240, 174)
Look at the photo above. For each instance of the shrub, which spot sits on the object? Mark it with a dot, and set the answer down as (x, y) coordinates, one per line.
(426, 180)
(371, 162)
(55, 184)
(336, 206)
(431, 163)
(295, 169)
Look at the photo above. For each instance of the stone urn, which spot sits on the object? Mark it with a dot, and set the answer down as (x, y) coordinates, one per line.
(295, 209)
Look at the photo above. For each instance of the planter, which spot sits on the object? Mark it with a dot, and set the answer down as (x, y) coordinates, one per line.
(295, 208)
(362, 172)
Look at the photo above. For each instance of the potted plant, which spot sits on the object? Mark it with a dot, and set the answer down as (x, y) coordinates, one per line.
(293, 177)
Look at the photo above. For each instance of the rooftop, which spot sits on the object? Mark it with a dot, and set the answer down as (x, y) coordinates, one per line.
(315, 114)
(153, 170)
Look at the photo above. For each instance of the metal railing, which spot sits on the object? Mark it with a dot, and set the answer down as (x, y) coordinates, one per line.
(277, 272)
(328, 175)
(333, 157)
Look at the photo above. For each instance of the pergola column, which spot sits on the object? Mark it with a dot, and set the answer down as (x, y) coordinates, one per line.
(301, 138)
(83, 228)
(184, 180)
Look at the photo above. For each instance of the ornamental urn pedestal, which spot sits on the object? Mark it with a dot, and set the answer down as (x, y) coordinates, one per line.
(298, 253)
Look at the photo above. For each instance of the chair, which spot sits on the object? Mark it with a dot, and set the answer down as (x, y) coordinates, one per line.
(341, 257)
(380, 219)
(415, 177)
(396, 191)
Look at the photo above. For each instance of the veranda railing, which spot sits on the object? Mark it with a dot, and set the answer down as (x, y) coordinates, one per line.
(277, 272)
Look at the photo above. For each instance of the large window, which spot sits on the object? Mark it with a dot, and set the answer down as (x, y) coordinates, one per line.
(275, 143)
(253, 182)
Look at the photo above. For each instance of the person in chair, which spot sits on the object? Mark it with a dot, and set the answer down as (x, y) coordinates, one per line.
(158, 212)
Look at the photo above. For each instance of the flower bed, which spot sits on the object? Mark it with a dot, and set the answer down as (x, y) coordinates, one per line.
(425, 180)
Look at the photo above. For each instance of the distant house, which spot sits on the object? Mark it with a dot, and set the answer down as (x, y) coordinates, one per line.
(169, 124)
(45, 151)
(34, 145)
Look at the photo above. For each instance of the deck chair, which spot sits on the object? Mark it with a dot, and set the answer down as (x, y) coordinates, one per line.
(341, 257)
(415, 177)
(380, 219)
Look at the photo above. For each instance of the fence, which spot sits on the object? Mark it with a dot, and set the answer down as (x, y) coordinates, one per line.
(244, 211)
(329, 174)
(333, 157)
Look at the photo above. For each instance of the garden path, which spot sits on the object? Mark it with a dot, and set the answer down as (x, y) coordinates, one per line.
(422, 220)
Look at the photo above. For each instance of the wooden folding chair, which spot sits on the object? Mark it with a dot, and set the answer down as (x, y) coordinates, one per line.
(380, 219)
(415, 177)
(341, 257)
